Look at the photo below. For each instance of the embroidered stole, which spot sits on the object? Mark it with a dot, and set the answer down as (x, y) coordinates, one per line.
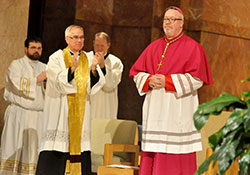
(76, 105)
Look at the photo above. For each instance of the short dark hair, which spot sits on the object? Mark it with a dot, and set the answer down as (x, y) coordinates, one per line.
(32, 39)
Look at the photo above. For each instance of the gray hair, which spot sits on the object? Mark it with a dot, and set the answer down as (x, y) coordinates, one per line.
(103, 35)
(174, 8)
(68, 29)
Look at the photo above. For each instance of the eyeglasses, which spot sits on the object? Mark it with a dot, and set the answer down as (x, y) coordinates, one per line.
(33, 48)
(76, 37)
(171, 20)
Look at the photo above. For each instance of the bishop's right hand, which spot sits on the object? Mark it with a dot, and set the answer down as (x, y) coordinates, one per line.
(74, 62)
(157, 81)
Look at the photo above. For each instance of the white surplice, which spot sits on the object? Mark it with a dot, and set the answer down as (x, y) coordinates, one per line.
(23, 117)
(104, 104)
(168, 116)
(56, 132)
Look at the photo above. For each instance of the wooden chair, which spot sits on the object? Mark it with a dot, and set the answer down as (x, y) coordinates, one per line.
(113, 140)
(109, 151)
(108, 160)
(233, 170)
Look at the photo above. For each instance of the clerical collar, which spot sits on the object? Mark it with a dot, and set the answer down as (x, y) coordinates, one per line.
(105, 56)
(173, 39)
(73, 53)
(30, 60)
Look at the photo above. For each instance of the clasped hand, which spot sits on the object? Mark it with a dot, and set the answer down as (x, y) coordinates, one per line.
(74, 62)
(157, 81)
(98, 59)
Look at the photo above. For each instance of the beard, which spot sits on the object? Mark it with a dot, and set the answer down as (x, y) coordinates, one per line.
(34, 56)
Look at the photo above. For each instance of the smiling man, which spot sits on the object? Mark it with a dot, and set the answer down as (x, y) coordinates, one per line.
(66, 135)
(104, 104)
(169, 72)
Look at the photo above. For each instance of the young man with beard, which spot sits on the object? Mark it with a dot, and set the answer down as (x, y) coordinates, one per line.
(169, 72)
(24, 90)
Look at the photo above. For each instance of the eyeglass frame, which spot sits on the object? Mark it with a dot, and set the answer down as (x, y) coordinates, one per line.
(172, 20)
(76, 37)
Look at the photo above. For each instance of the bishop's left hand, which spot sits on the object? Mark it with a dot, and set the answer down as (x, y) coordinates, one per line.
(157, 81)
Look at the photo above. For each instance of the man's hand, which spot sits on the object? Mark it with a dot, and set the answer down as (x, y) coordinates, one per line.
(97, 59)
(157, 81)
(93, 66)
(41, 77)
(75, 63)
(100, 57)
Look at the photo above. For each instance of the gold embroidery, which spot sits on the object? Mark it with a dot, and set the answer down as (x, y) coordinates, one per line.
(24, 87)
(16, 167)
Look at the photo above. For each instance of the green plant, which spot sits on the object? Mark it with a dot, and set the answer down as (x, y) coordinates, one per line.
(233, 139)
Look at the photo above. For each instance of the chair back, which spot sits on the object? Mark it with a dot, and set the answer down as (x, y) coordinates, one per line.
(111, 131)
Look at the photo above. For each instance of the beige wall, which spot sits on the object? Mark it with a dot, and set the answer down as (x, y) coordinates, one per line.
(13, 31)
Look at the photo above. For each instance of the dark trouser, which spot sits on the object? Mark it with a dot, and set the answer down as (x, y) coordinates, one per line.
(54, 163)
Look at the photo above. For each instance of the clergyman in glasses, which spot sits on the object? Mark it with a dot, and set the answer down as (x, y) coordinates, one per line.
(65, 147)
(169, 72)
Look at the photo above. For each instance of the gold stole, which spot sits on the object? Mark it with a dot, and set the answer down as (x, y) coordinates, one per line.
(76, 105)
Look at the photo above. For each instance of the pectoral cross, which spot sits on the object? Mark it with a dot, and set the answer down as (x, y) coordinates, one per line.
(160, 64)
(163, 55)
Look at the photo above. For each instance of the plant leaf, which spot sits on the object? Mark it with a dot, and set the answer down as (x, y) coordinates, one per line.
(200, 120)
(227, 154)
(245, 163)
(233, 122)
(247, 79)
(245, 94)
(248, 101)
(215, 139)
(204, 166)
(215, 107)
(246, 118)
(233, 139)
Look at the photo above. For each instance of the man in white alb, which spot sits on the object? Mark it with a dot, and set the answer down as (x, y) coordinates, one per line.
(72, 78)
(104, 104)
(24, 91)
